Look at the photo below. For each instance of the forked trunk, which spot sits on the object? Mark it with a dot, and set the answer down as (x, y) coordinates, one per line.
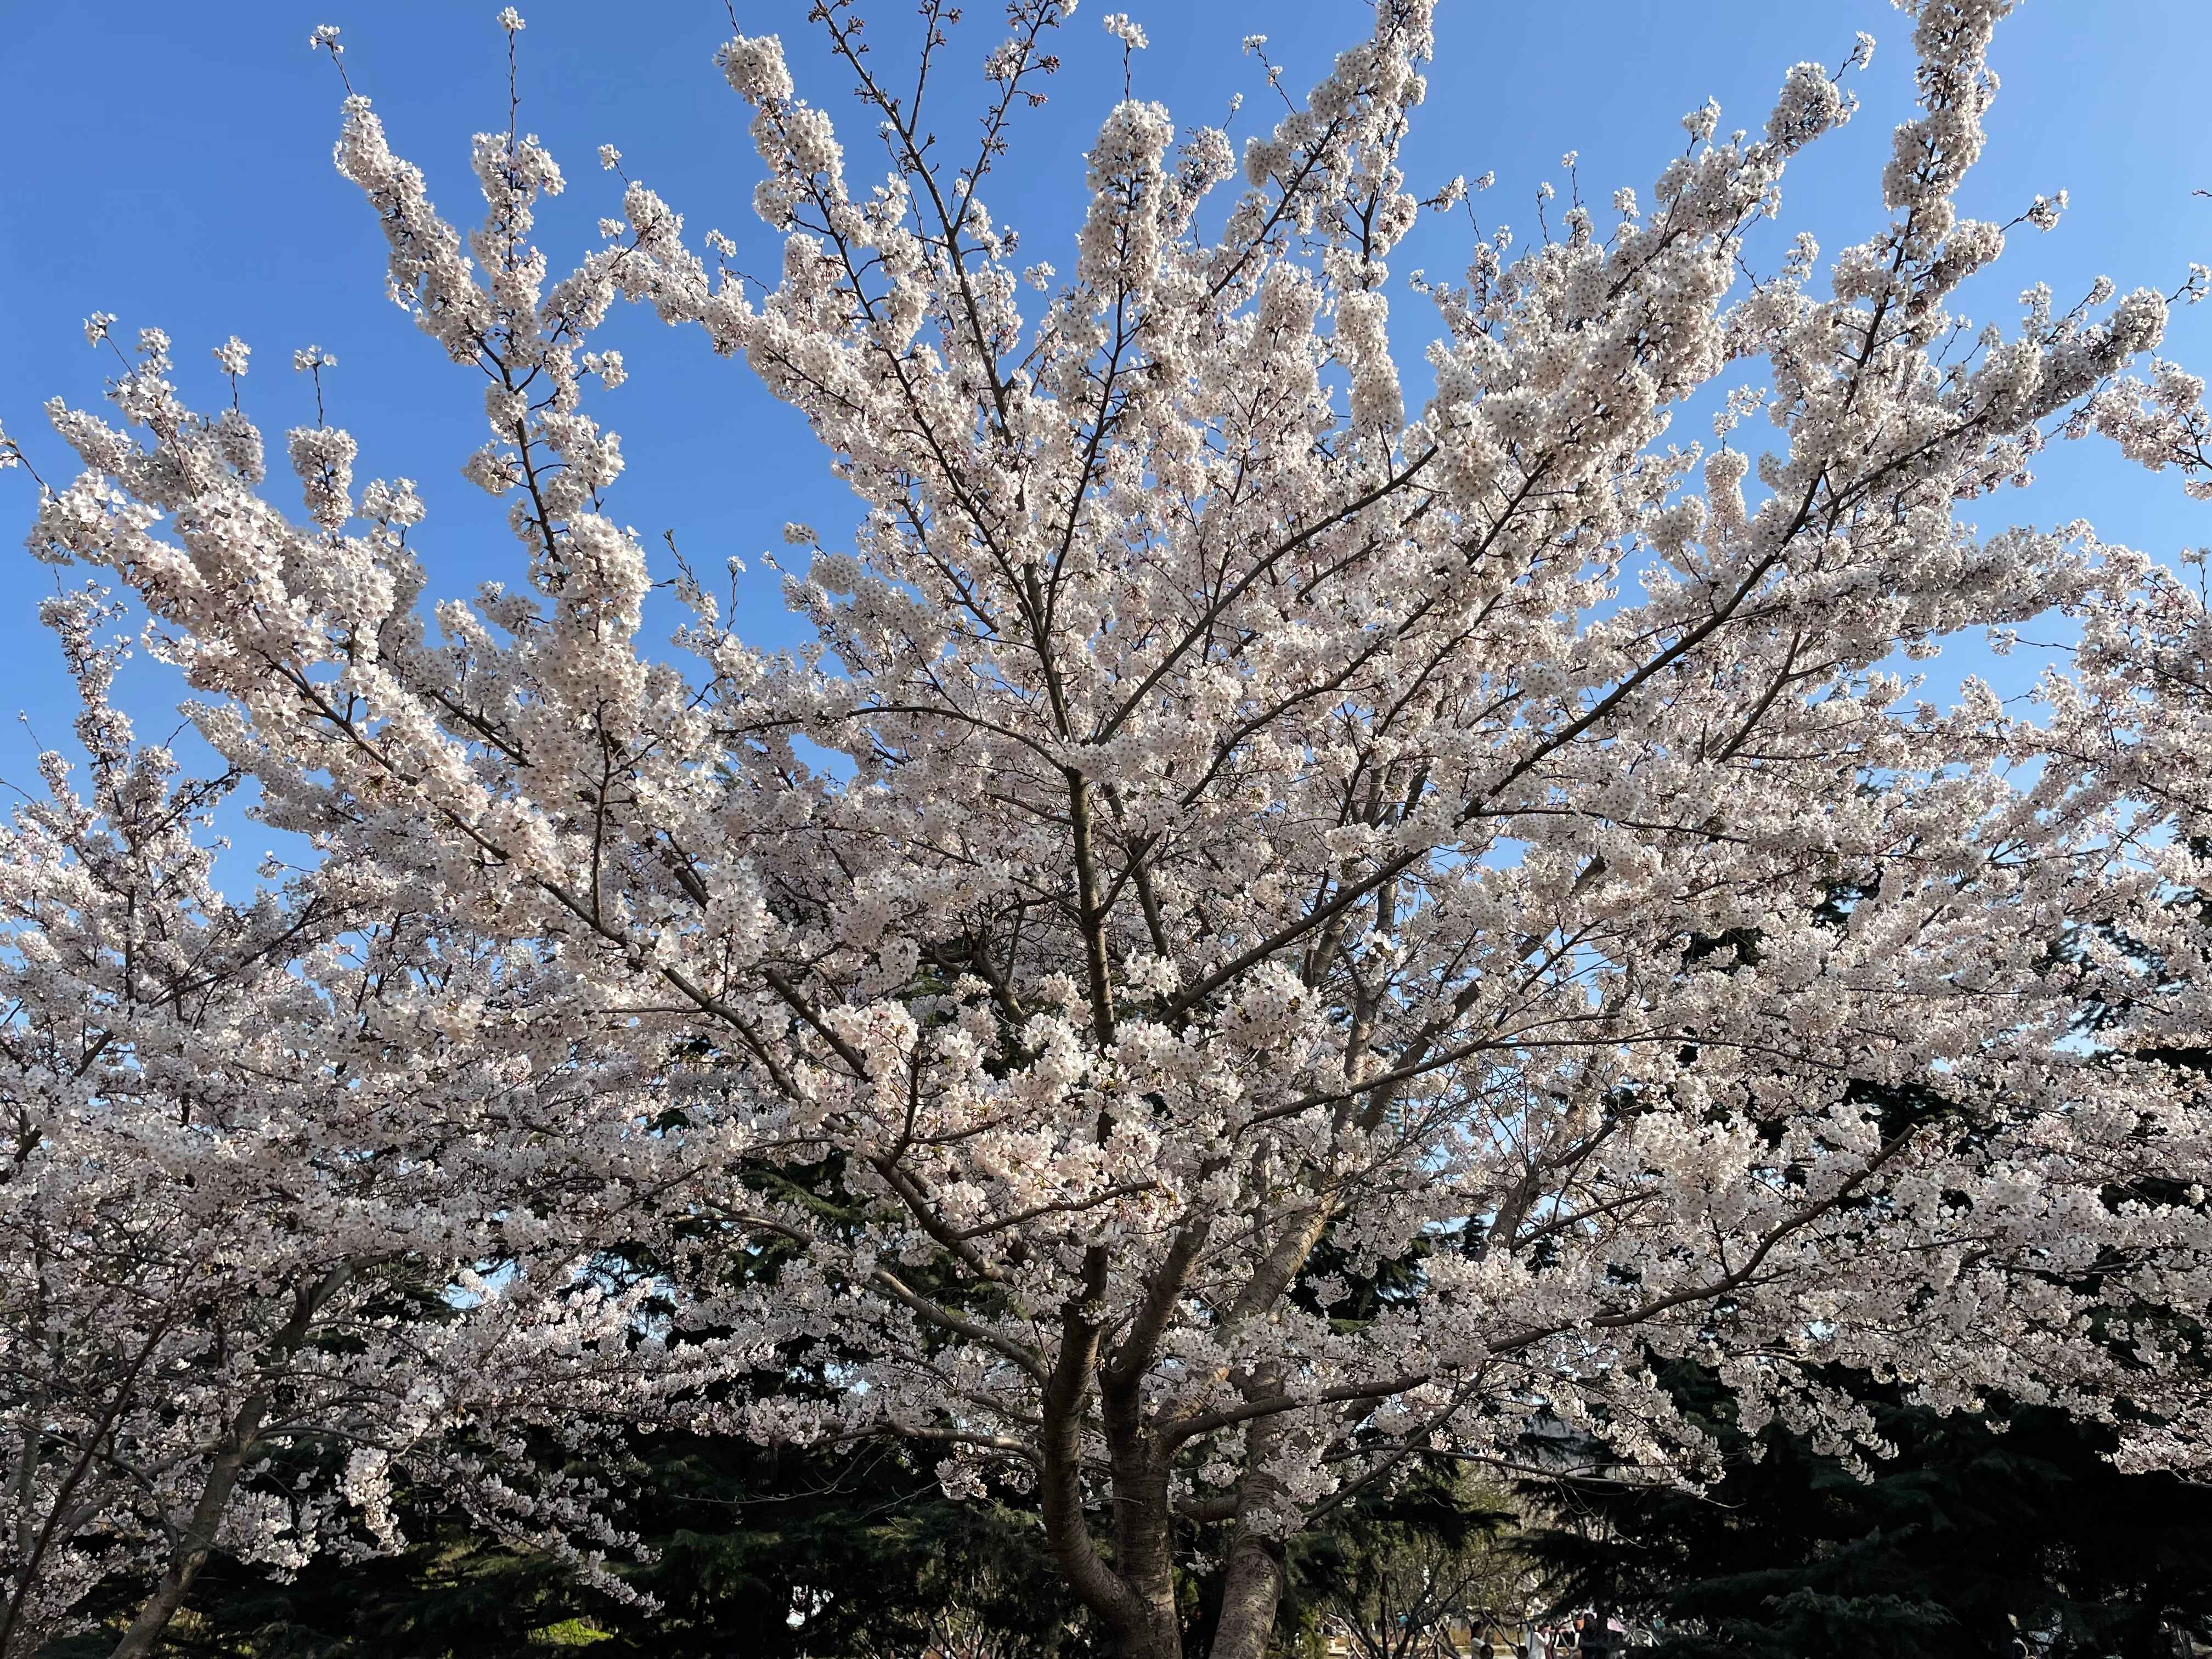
(1144, 1527)
(1134, 1596)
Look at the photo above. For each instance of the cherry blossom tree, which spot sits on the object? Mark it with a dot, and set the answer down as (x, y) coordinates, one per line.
(291, 1201)
(1275, 933)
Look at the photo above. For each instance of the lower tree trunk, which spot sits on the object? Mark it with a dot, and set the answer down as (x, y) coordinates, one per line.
(1250, 1596)
(1134, 1596)
(1144, 1527)
(1159, 1636)
(1252, 1586)
(1134, 1593)
(197, 1542)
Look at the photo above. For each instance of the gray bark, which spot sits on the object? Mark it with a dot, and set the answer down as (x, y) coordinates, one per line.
(196, 1541)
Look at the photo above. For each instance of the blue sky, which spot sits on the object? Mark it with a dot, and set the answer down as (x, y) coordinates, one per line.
(171, 165)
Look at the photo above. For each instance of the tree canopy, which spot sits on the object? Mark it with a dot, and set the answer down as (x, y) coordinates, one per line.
(1279, 928)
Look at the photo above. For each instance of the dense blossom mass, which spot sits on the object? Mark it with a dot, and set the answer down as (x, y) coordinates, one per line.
(1297, 915)
(264, 1155)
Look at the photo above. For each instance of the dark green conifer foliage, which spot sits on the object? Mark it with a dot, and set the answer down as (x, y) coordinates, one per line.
(1980, 1530)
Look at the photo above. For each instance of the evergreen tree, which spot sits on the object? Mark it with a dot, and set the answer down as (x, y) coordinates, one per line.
(1978, 1531)
(768, 1553)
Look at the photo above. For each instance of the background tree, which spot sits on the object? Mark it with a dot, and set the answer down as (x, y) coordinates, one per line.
(845, 1554)
(1971, 1531)
(294, 1191)
(1442, 1557)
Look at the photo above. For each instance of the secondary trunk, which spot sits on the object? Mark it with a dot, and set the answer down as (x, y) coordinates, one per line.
(1253, 1590)
(1253, 1587)
(196, 1541)
(1134, 1596)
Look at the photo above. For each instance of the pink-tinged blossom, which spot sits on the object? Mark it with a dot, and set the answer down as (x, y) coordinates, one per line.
(1312, 930)
(247, 1136)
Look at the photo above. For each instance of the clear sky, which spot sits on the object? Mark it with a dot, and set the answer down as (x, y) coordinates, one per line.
(171, 163)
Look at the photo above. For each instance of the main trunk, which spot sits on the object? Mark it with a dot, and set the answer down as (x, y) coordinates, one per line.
(1134, 1596)
(1144, 1526)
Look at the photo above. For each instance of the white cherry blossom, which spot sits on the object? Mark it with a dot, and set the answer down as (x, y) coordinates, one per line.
(1277, 929)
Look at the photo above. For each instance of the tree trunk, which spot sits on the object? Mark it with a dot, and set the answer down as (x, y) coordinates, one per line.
(1250, 1596)
(1158, 1637)
(1144, 1523)
(1134, 1597)
(60, 1524)
(197, 1542)
(1254, 1585)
